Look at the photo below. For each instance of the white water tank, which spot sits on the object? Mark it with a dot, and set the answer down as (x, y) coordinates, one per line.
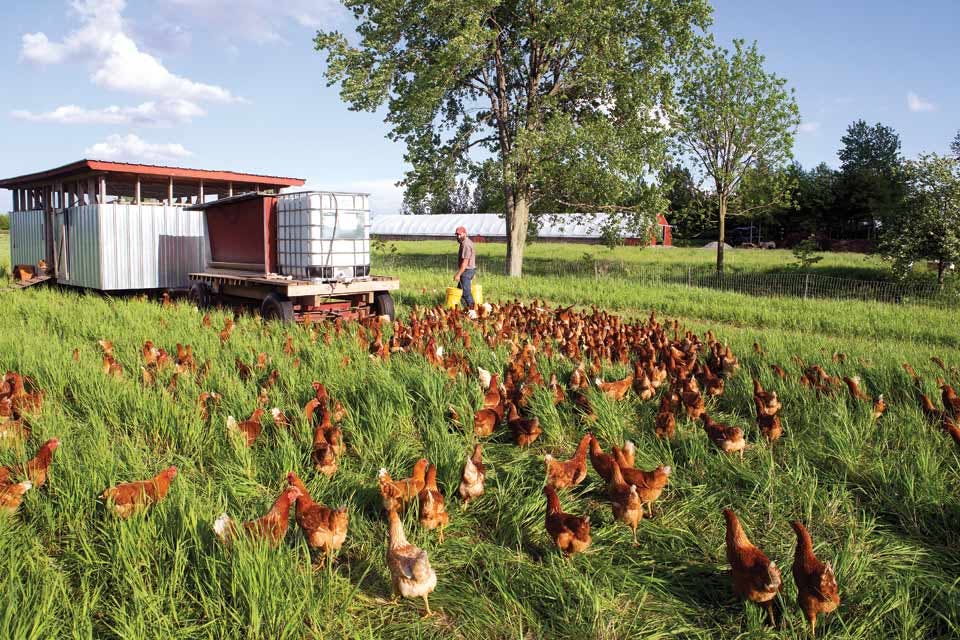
(323, 236)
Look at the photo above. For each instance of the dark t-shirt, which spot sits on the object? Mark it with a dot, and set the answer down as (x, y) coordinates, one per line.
(467, 253)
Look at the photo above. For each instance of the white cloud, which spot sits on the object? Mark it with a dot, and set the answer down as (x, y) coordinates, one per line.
(163, 113)
(809, 127)
(118, 62)
(917, 104)
(131, 148)
(261, 21)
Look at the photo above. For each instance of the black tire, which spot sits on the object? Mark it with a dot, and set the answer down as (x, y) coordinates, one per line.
(274, 307)
(200, 295)
(383, 305)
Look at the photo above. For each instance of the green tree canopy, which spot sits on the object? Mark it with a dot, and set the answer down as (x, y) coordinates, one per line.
(929, 227)
(732, 116)
(564, 94)
(870, 188)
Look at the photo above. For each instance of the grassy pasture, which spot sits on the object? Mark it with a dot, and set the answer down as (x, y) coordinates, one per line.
(881, 500)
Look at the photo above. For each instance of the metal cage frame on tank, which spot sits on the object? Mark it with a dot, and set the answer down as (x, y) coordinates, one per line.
(307, 250)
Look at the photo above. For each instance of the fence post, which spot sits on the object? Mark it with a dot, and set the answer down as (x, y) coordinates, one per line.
(689, 277)
(806, 285)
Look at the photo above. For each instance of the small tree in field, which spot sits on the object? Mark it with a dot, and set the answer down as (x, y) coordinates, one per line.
(929, 228)
(562, 94)
(732, 116)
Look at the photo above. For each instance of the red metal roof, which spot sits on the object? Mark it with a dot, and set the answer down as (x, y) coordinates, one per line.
(94, 166)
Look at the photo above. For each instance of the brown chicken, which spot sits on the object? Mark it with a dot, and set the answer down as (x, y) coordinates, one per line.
(817, 590)
(951, 403)
(37, 468)
(693, 404)
(602, 462)
(410, 571)
(853, 386)
(627, 507)
(770, 427)
(665, 423)
(879, 407)
(485, 422)
(615, 390)
(727, 439)
(324, 528)
(570, 472)
(625, 457)
(767, 402)
(272, 527)
(327, 446)
(11, 495)
(649, 484)
(570, 533)
(128, 498)
(433, 509)
(474, 475)
(397, 493)
(249, 430)
(755, 577)
(525, 430)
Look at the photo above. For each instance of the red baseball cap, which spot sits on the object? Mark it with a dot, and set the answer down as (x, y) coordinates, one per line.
(460, 230)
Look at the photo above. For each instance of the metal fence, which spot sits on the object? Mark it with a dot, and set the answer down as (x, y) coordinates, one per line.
(796, 284)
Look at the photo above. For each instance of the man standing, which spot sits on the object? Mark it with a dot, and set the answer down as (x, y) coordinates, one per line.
(467, 266)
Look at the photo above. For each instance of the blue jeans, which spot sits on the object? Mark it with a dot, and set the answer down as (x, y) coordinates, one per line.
(465, 278)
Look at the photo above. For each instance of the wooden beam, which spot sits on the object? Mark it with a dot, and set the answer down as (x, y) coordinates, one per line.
(201, 191)
(170, 191)
(102, 194)
(92, 191)
(229, 189)
(136, 192)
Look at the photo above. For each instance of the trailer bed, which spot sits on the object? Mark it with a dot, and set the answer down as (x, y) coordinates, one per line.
(297, 288)
(287, 299)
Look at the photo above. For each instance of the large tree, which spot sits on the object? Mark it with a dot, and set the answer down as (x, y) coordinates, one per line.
(564, 94)
(955, 146)
(732, 116)
(870, 189)
(929, 226)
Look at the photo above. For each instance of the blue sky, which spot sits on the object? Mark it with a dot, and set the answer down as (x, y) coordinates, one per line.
(235, 84)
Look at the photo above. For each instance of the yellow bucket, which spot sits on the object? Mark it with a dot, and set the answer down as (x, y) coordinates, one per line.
(454, 295)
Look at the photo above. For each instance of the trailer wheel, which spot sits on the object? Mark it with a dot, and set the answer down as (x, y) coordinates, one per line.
(274, 307)
(383, 304)
(200, 295)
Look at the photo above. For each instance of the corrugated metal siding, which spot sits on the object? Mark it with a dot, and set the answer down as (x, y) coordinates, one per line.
(82, 268)
(27, 244)
(149, 246)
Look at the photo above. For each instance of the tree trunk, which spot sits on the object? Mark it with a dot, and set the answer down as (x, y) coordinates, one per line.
(518, 218)
(723, 228)
(941, 266)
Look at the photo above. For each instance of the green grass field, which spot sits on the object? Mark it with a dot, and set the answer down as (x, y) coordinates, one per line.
(880, 499)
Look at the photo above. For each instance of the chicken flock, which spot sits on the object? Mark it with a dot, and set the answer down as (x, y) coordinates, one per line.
(687, 373)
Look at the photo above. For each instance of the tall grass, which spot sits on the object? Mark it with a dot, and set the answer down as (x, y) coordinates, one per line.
(880, 499)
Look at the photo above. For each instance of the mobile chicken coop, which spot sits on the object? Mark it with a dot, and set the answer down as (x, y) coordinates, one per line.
(112, 226)
(303, 256)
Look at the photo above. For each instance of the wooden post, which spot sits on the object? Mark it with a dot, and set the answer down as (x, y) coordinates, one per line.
(170, 191)
(201, 191)
(91, 191)
(102, 195)
(136, 192)
(229, 189)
